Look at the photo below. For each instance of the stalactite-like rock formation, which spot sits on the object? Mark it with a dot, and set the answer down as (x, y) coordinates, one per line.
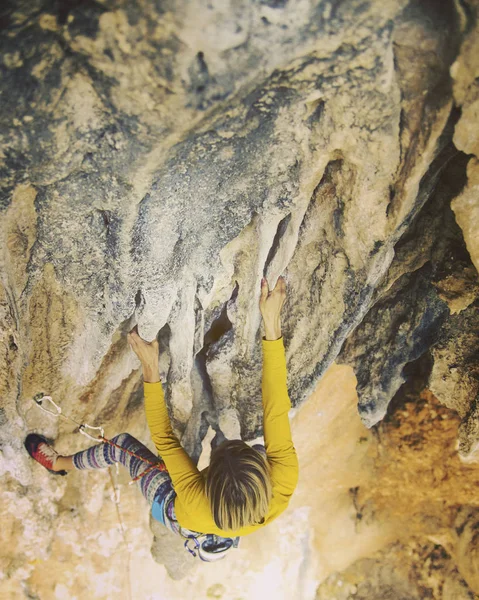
(157, 159)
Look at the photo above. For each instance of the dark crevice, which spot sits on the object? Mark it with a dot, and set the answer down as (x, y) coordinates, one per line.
(280, 231)
(203, 430)
(378, 244)
(203, 67)
(200, 364)
(164, 336)
(392, 195)
(139, 301)
(11, 343)
(416, 374)
(219, 328)
(315, 116)
(202, 416)
(450, 168)
(220, 325)
(106, 216)
(338, 215)
(331, 170)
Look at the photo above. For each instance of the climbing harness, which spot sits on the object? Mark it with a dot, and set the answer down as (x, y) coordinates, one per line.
(56, 412)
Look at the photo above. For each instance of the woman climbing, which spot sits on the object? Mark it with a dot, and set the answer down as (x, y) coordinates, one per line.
(244, 488)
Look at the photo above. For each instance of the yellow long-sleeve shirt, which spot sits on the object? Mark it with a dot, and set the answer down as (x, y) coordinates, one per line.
(191, 504)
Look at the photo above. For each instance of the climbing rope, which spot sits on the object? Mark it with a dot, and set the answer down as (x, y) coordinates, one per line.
(56, 412)
(47, 404)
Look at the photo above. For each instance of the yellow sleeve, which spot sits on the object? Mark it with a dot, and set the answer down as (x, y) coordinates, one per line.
(277, 431)
(186, 478)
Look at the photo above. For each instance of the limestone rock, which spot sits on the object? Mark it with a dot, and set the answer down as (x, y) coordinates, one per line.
(158, 159)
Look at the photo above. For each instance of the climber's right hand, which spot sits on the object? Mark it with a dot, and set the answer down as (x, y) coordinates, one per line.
(270, 305)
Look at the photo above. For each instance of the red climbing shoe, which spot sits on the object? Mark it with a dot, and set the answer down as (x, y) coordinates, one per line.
(41, 451)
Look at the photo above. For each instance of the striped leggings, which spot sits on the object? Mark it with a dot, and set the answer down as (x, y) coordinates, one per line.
(155, 485)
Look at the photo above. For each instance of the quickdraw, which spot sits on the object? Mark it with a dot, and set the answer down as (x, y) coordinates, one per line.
(56, 412)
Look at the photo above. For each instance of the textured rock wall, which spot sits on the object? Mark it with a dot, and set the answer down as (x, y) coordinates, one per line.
(159, 158)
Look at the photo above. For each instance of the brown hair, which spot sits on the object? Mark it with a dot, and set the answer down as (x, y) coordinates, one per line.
(238, 485)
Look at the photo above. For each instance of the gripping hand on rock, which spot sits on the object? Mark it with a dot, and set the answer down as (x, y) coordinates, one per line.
(270, 305)
(147, 352)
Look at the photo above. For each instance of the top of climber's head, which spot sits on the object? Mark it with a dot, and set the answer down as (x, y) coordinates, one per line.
(238, 485)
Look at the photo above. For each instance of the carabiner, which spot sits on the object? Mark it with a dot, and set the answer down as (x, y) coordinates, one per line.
(39, 398)
(196, 542)
(85, 426)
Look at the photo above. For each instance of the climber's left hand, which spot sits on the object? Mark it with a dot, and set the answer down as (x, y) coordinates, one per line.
(147, 352)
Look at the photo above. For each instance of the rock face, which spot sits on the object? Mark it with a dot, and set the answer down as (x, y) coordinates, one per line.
(158, 158)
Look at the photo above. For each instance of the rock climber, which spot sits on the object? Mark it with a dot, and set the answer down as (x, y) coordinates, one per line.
(244, 488)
